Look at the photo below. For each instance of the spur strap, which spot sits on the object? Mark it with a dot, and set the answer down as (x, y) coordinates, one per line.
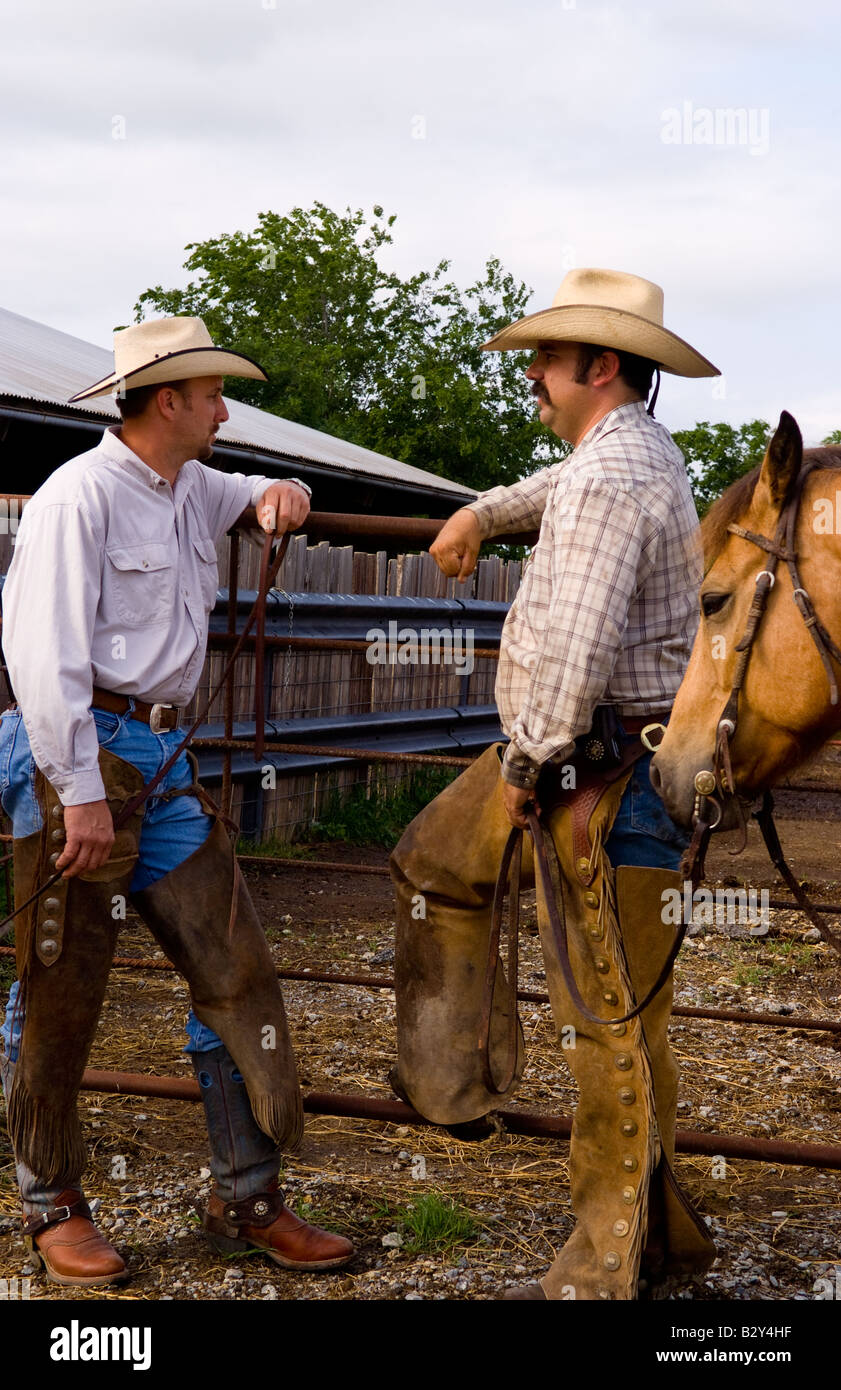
(51, 1216)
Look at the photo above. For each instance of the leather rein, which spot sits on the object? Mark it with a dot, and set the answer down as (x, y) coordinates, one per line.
(552, 884)
(269, 566)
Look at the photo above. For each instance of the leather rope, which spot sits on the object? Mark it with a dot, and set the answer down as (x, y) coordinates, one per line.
(268, 571)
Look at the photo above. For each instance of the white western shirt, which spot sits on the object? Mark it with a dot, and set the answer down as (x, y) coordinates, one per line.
(113, 577)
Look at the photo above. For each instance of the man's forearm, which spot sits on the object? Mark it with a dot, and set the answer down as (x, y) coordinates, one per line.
(516, 508)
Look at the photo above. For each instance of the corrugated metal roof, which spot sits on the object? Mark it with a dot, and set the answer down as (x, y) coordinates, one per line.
(41, 364)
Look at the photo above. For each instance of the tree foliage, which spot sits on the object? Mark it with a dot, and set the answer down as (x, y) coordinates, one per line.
(384, 361)
(716, 455)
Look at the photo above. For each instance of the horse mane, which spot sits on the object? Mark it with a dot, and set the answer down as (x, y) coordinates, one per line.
(735, 502)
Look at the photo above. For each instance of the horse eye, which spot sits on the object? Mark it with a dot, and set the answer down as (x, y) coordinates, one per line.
(712, 603)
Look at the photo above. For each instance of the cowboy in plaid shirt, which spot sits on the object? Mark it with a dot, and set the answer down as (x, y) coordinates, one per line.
(605, 614)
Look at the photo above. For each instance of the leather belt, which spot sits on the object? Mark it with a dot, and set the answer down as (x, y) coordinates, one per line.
(635, 723)
(162, 719)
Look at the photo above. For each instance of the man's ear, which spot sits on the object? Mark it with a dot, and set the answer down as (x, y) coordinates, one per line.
(605, 368)
(165, 401)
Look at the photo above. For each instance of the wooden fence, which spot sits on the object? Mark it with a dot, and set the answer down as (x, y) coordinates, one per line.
(307, 684)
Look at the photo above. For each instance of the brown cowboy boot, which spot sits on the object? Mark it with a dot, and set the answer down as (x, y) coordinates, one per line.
(264, 1223)
(57, 1226)
(246, 1210)
(69, 1246)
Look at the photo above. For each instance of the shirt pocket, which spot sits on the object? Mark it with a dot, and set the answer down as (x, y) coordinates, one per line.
(139, 583)
(208, 570)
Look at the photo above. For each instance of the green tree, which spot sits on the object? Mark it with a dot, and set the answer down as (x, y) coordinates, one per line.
(716, 455)
(360, 352)
(834, 438)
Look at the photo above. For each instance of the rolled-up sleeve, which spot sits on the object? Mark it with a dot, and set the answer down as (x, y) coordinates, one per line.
(50, 600)
(603, 549)
(515, 508)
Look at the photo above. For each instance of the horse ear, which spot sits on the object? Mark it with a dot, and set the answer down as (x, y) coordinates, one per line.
(783, 461)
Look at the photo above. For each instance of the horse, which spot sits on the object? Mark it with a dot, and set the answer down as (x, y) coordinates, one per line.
(760, 693)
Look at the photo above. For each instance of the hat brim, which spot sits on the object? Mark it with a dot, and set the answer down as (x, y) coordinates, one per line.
(177, 366)
(615, 328)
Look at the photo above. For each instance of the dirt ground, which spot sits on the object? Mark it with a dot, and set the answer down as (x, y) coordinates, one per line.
(778, 1228)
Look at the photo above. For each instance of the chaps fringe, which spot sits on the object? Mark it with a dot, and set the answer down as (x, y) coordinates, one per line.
(280, 1115)
(47, 1143)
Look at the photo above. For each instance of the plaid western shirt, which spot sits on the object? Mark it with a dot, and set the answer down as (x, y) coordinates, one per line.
(607, 609)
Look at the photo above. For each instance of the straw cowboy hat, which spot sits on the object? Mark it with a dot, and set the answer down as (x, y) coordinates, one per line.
(610, 309)
(167, 350)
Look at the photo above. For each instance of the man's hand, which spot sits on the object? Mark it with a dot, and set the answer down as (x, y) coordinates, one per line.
(90, 835)
(514, 800)
(283, 507)
(455, 549)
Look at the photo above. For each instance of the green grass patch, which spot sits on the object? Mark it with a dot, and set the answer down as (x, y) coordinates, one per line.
(751, 975)
(316, 1216)
(788, 956)
(431, 1223)
(368, 816)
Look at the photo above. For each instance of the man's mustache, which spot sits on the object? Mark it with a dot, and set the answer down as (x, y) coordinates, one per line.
(537, 390)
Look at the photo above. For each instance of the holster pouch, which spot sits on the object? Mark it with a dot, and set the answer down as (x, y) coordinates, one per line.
(203, 919)
(65, 944)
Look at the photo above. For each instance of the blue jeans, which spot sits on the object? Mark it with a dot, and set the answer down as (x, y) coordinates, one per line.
(643, 833)
(170, 832)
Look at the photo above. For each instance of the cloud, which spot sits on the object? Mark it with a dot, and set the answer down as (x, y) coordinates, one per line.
(541, 141)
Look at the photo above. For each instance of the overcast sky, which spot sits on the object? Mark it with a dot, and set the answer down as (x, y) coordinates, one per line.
(549, 134)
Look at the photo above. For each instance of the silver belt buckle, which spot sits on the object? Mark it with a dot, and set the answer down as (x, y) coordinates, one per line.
(156, 715)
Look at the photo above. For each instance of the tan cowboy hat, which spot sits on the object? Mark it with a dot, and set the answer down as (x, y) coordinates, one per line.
(167, 350)
(611, 309)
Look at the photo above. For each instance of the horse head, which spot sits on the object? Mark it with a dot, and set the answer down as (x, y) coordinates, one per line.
(757, 687)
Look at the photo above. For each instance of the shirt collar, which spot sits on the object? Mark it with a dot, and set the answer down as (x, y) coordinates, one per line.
(620, 415)
(116, 449)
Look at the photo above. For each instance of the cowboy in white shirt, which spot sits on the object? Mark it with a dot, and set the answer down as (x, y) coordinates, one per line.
(106, 609)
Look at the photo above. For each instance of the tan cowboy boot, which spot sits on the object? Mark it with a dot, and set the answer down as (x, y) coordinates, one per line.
(444, 870)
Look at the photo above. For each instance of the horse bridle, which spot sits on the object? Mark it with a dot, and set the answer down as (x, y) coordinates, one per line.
(710, 783)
